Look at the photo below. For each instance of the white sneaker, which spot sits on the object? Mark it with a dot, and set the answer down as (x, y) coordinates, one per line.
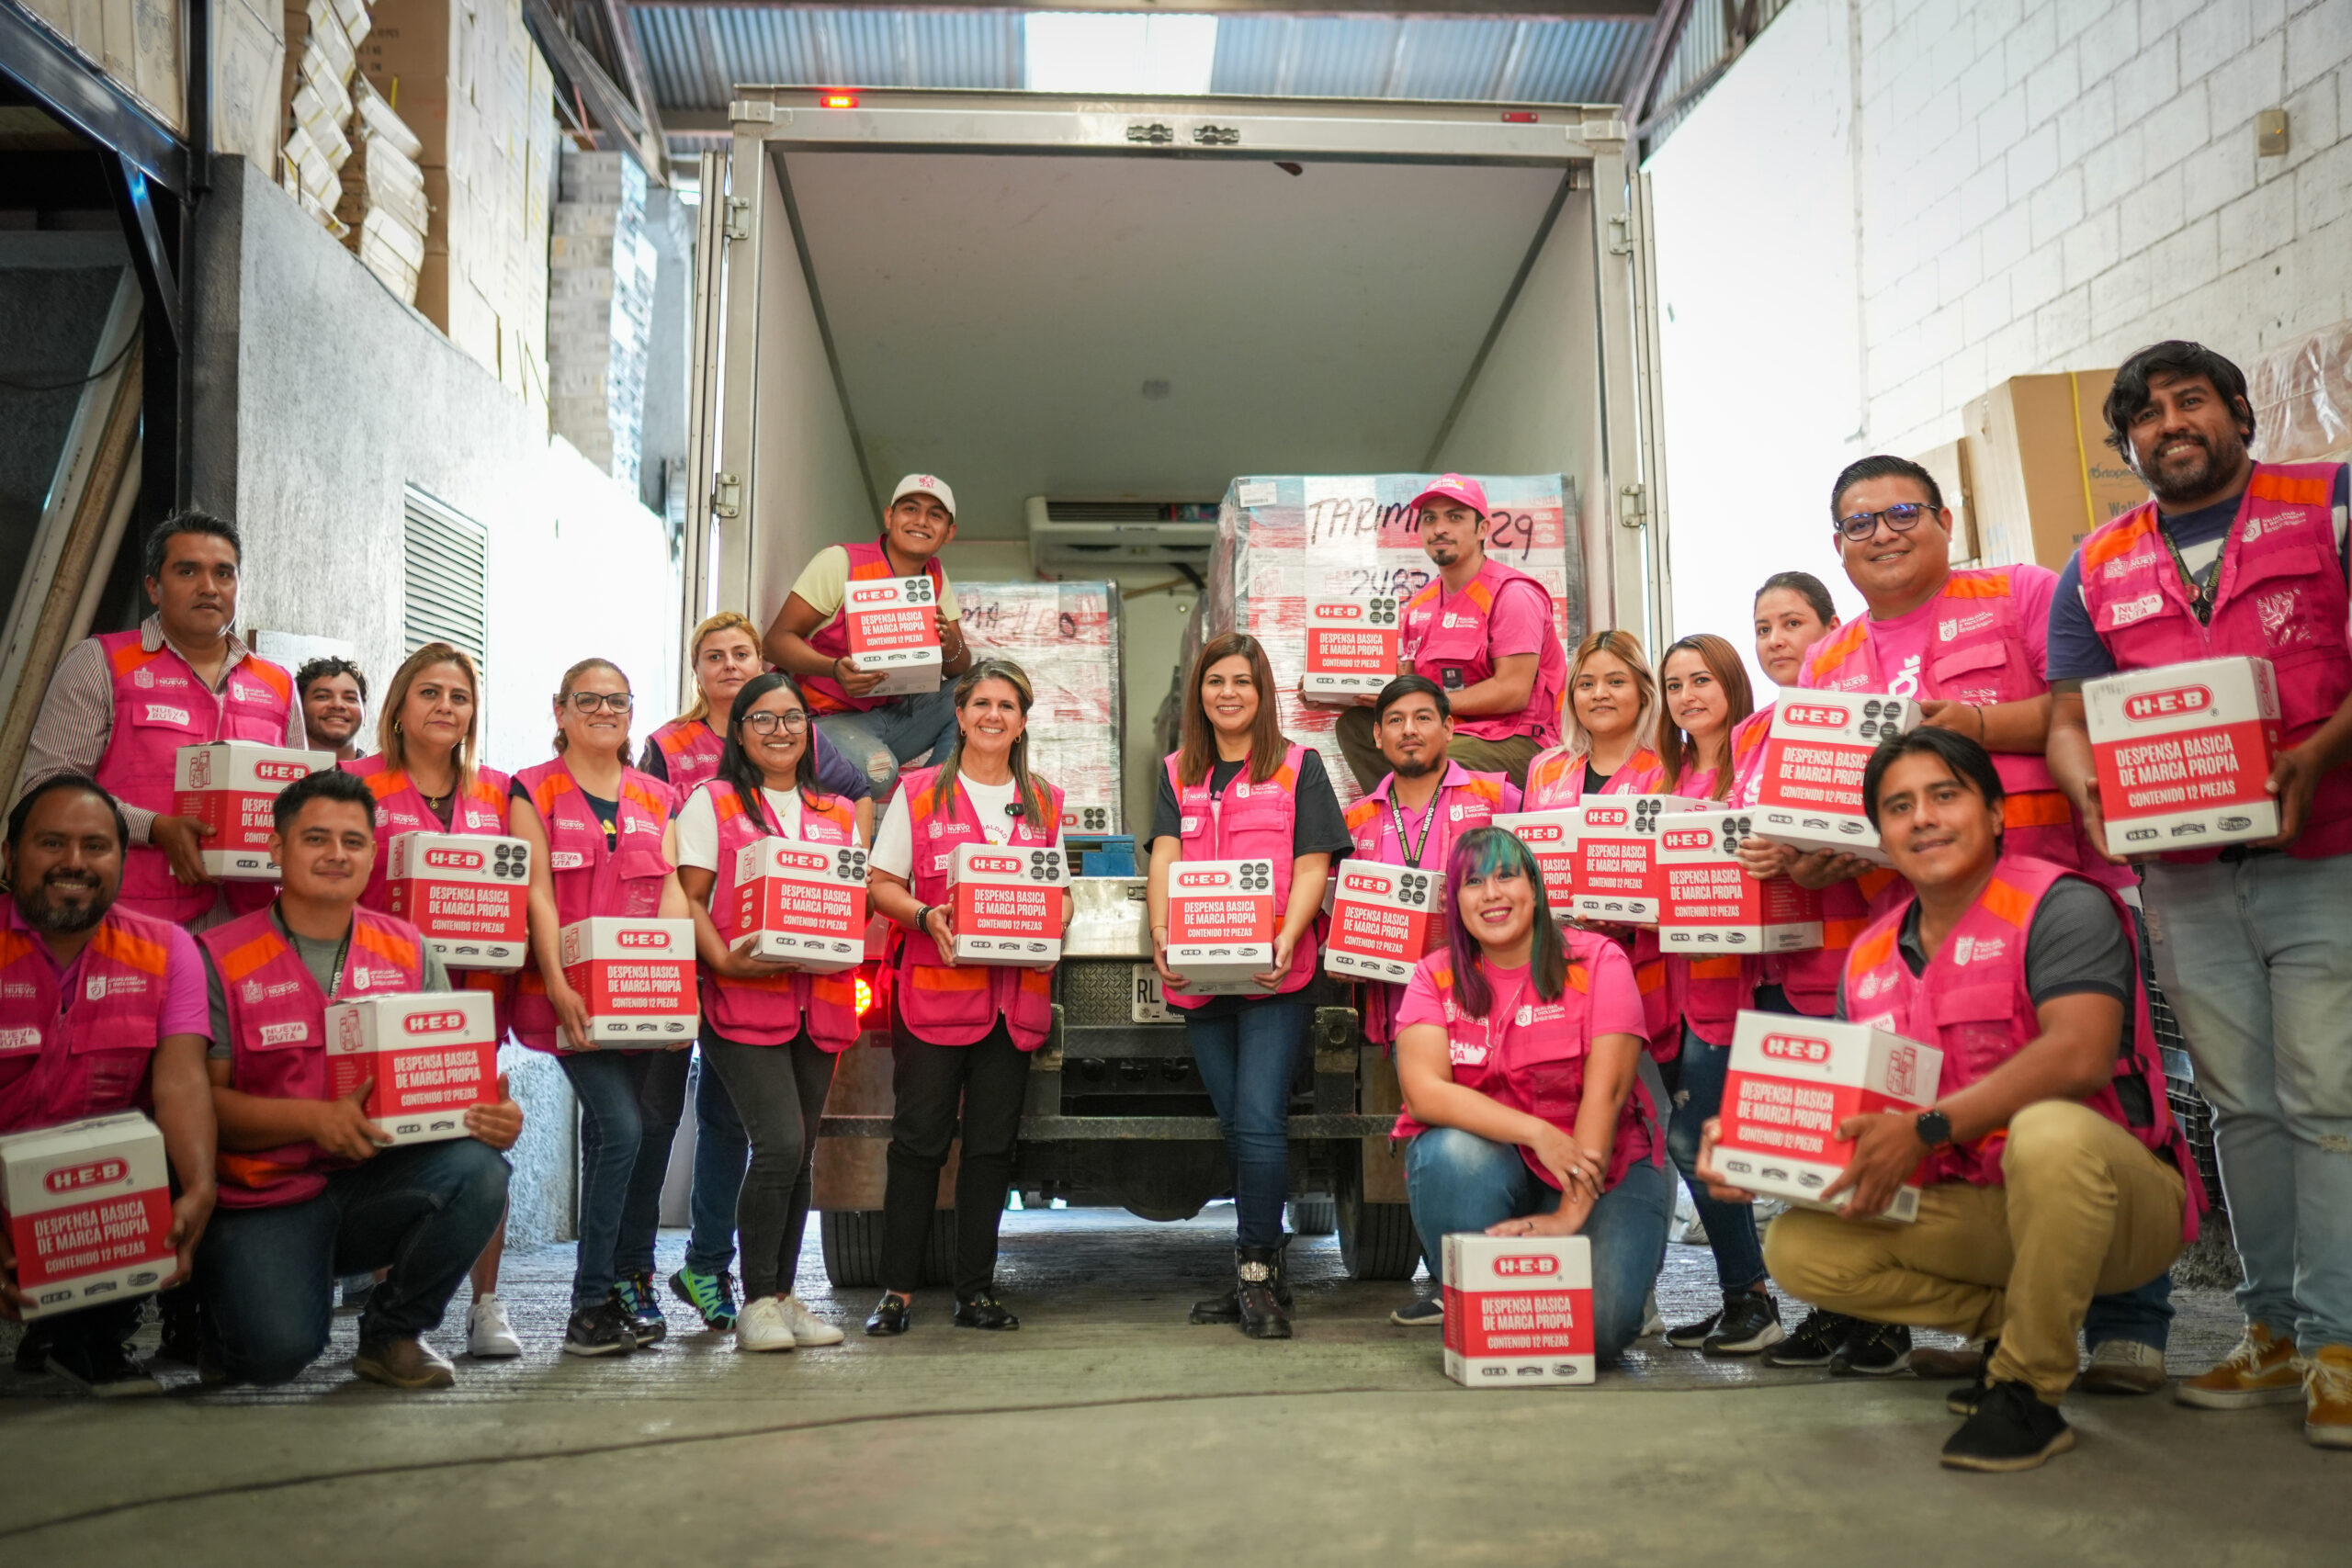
(490, 1334)
(761, 1325)
(807, 1328)
(2124, 1366)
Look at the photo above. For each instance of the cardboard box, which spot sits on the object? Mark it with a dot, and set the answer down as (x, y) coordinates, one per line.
(1617, 874)
(230, 787)
(1351, 648)
(1948, 464)
(1383, 918)
(1550, 838)
(1712, 907)
(2043, 475)
(1221, 923)
(894, 631)
(89, 1207)
(1517, 1310)
(797, 901)
(1793, 1080)
(1809, 784)
(2182, 753)
(429, 1054)
(467, 894)
(1008, 903)
(636, 978)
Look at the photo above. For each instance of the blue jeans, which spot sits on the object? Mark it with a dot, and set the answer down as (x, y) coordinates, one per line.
(1731, 1227)
(1247, 1059)
(722, 1153)
(1460, 1182)
(2256, 957)
(613, 1126)
(902, 730)
(267, 1276)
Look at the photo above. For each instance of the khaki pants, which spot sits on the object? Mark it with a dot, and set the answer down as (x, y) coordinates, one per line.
(1360, 744)
(2084, 1210)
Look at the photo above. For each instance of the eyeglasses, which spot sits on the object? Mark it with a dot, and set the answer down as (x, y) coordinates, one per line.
(1862, 525)
(792, 722)
(589, 702)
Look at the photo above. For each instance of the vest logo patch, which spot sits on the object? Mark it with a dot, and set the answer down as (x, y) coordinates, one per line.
(1871, 984)
(1456, 813)
(1525, 1016)
(251, 992)
(284, 1034)
(1449, 619)
(100, 987)
(17, 990)
(2123, 611)
(159, 713)
(566, 860)
(26, 1039)
(2117, 569)
(1947, 630)
(1242, 790)
(1979, 949)
(143, 677)
(389, 980)
(636, 825)
(936, 829)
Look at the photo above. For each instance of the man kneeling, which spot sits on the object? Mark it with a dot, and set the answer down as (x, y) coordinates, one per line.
(2051, 1169)
(308, 1189)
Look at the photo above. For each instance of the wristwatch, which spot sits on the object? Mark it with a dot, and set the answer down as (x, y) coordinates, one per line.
(1934, 1128)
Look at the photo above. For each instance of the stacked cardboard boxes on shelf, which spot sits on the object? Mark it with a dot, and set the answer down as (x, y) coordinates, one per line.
(136, 42)
(1065, 636)
(384, 193)
(464, 77)
(600, 309)
(1282, 541)
(322, 39)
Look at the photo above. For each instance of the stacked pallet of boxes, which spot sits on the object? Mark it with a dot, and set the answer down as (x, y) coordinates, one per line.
(384, 193)
(1283, 540)
(323, 39)
(465, 78)
(1065, 636)
(601, 271)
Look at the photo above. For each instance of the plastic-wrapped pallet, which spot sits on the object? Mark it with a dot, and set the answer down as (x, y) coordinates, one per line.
(1065, 636)
(1280, 540)
(600, 309)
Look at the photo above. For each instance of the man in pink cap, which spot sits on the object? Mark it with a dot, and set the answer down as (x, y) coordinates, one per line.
(1483, 632)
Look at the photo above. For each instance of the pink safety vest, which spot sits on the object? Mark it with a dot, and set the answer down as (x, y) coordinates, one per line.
(943, 1005)
(159, 706)
(769, 1012)
(2280, 595)
(1979, 1014)
(590, 879)
(1706, 993)
(1536, 1063)
(1249, 821)
(401, 809)
(1447, 635)
(1555, 778)
(60, 1064)
(1979, 656)
(868, 562)
(1463, 801)
(690, 750)
(277, 1035)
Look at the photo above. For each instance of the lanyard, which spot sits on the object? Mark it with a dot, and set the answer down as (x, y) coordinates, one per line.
(1504, 1011)
(2199, 605)
(1428, 825)
(342, 949)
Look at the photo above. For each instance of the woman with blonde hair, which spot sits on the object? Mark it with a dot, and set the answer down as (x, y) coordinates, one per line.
(963, 1031)
(1612, 708)
(602, 844)
(425, 780)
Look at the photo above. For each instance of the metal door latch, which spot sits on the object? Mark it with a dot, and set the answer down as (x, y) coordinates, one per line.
(1154, 133)
(1218, 135)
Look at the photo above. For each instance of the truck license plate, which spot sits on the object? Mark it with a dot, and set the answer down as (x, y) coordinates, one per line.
(1149, 1005)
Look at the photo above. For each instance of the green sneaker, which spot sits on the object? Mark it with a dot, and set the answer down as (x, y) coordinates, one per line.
(713, 1295)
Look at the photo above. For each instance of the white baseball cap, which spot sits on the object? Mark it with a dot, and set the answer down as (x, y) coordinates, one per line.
(925, 484)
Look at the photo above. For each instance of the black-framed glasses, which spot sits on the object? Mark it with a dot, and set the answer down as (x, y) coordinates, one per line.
(589, 702)
(792, 722)
(1902, 519)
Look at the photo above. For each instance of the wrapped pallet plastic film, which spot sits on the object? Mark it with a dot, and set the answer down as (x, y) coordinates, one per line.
(1282, 540)
(1066, 636)
(2301, 396)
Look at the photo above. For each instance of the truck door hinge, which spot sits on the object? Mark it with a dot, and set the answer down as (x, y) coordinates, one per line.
(739, 218)
(1621, 235)
(1218, 135)
(727, 500)
(1154, 133)
(1634, 506)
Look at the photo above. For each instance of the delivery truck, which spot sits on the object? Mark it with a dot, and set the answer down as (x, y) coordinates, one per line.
(1090, 315)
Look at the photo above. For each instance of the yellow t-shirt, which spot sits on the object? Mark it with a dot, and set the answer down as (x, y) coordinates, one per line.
(824, 582)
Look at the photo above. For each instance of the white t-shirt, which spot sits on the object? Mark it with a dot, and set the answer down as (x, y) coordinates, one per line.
(697, 823)
(894, 844)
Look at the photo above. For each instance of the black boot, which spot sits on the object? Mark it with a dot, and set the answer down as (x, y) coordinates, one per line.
(1258, 1292)
(1226, 1306)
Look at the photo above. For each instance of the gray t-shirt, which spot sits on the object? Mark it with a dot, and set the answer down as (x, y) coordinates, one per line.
(2075, 945)
(319, 956)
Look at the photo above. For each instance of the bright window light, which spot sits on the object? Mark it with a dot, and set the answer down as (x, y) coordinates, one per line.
(1087, 53)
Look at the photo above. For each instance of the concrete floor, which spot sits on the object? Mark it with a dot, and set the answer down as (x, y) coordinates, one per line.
(1109, 1432)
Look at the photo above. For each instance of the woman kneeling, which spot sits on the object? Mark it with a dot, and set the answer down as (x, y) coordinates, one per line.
(1516, 1048)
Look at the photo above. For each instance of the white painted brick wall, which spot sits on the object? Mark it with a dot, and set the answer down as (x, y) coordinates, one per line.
(2049, 186)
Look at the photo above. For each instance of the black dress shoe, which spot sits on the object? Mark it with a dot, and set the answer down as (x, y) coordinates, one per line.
(984, 1310)
(892, 1315)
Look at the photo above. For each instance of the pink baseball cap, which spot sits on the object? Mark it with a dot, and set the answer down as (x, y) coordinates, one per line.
(1455, 487)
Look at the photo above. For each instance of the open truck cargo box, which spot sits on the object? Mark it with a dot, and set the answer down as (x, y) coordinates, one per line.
(1139, 300)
